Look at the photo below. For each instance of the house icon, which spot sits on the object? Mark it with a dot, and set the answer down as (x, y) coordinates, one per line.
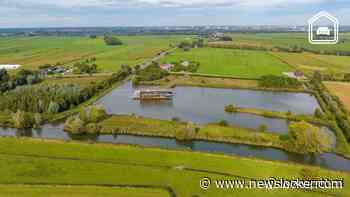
(323, 34)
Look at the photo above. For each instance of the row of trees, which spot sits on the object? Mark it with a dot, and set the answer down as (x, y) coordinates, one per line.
(338, 111)
(272, 81)
(54, 98)
(88, 66)
(112, 41)
(23, 77)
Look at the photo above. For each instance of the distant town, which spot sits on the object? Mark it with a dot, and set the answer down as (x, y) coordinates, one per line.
(79, 31)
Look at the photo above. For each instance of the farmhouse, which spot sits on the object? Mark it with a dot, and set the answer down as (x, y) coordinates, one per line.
(166, 67)
(9, 66)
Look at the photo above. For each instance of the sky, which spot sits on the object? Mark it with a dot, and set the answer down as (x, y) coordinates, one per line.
(90, 13)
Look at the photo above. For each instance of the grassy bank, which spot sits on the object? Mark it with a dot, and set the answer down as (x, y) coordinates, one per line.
(29, 161)
(215, 82)
(281, 115)
(134, 125)
(77, 191)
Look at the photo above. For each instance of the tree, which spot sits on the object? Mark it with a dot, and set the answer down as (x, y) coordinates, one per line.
(74, 125)
(318, 113)
(231, 109)
(263, 128)
(53, 108)
(22, 120)
(306, 138)
(4, 76)
(112, 41)
(97, 113)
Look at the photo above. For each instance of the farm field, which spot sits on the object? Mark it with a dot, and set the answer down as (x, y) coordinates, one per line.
(342, 90)
(31, 52)
(309, 63)
(29, 161)
(288, 40)
(229, 62)
(79, 80)
(77, 191)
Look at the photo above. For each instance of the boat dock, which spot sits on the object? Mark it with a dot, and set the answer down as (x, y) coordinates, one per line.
(153, 94)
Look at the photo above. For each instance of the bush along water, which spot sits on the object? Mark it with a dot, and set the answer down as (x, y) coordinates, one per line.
(87, 121)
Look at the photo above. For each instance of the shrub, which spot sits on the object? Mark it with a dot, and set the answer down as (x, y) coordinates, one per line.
(22, 120)
(37, 119)
(231, 109)
(53, 108)
(263, 128)
(309, 174)
(306, 138)
(93, 128)
(223, 123)
(284, 137)
(97, 113)
(318, 113)
(112, 41)
(74, 125)
(187, 134)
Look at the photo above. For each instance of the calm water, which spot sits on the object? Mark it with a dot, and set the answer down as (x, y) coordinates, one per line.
(328, 160)
(203, 105)
(206, 105)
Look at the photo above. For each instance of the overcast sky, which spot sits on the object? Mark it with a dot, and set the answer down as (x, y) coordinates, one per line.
(72, 13)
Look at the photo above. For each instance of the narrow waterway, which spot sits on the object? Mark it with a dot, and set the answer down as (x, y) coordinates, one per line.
(328, 160)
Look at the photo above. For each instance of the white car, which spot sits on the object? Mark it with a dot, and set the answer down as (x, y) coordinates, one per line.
(323, 31)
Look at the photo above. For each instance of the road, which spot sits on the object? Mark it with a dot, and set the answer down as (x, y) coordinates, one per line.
(158, 57)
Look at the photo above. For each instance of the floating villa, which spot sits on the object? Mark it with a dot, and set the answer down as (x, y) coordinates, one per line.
(155, 94)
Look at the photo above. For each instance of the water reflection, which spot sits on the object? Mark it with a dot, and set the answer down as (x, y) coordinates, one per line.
(206, 105)
(327, 160)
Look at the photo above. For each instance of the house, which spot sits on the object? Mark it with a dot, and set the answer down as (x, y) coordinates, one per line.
(166, 67)
(216, 36)
(9, 66)
(295, 75)
(185, 63)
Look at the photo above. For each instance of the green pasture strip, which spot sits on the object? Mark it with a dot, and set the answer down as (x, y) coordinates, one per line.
(29, 161)
(78, 191)
(231, 62)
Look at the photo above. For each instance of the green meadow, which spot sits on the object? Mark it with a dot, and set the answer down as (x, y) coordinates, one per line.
(309, 62)
(230, 62)
(31, 52)
(50, 163)
(77, 191)
(288, 40)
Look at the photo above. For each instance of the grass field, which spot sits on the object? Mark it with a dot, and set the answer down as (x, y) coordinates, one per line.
(342, 90)
(31, 52)
(28, 161)
(309, 63)
(288, 40)
(228, 62)
(79, 80)
(78, 191)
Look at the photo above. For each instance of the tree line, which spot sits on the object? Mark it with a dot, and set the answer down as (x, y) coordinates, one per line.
(23, 77)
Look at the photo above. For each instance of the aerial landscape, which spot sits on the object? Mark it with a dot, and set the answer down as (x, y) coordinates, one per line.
(174, 106)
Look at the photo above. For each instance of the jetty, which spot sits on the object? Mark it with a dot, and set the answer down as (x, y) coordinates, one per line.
(153, 94)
